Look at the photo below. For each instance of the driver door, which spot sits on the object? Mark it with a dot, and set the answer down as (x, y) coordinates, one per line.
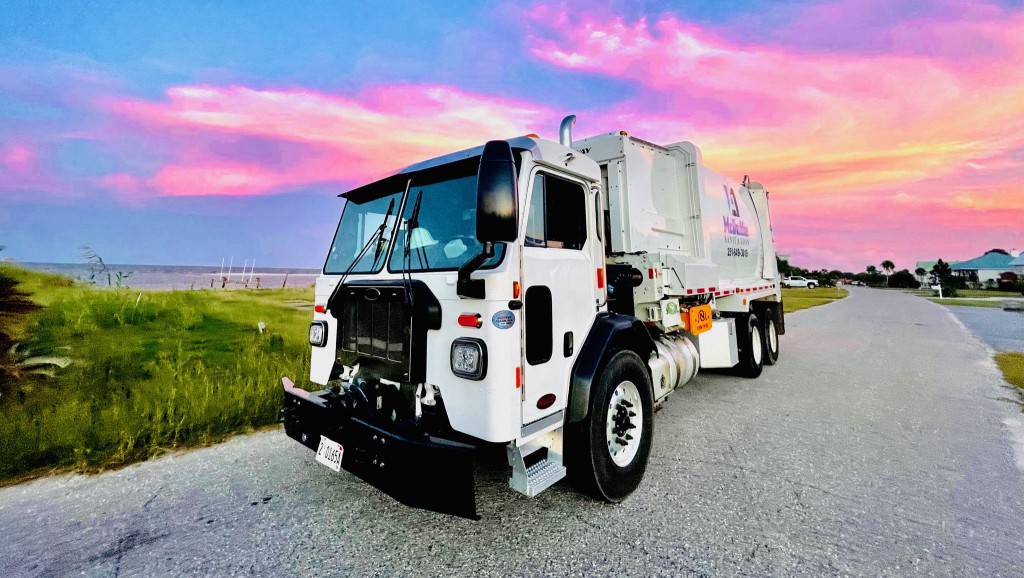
(559, 284)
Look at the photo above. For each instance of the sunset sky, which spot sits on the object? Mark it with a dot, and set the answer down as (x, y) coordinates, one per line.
(184, 133)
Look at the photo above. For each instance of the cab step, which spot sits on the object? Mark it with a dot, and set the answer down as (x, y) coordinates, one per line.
(537, 465)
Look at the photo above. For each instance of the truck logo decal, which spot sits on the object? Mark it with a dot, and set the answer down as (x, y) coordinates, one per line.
(733, 225)
(730, 198)
(503, 319)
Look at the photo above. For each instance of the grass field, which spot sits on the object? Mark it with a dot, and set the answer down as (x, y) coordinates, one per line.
(795, 299)
(967, 293)
(966, 302)
(1012, 365)
(150, 371)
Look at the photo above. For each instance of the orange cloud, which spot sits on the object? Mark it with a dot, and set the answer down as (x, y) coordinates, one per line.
(836, 136)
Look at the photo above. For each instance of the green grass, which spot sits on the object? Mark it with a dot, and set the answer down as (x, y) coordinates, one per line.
(152, 371)
(966, 302)
(795, 299)
(968, 293)
(1012, 365)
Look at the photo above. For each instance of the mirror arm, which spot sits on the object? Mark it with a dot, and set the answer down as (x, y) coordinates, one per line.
(474, 288)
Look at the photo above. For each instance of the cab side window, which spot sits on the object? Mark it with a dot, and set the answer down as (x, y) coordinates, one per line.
(557, 216)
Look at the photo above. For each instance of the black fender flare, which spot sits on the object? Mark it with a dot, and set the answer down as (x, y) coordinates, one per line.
(609, 333)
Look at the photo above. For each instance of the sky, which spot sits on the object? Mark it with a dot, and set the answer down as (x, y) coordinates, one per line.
(190, 132)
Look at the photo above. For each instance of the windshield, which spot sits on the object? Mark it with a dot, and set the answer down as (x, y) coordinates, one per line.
(446, 236)
(360, 223)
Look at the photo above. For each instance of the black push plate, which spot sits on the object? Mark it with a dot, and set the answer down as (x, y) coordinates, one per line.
(567, 344)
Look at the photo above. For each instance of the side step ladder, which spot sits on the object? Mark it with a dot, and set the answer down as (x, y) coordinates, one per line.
(537, 464)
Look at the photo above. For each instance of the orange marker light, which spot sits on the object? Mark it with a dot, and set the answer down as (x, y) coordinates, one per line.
(600, 278)
(515, 289)
(519, 377)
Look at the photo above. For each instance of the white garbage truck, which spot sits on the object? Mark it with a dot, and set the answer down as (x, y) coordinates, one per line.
(545, 297)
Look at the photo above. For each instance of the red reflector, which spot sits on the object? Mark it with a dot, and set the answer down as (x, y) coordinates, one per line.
(650, 273)
(546, 401)
(320, 308)
(515, 289)
(470, 320)
(519, 377)
(600, 278)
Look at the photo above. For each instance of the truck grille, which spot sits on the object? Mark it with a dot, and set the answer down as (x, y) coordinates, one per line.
(374, 323)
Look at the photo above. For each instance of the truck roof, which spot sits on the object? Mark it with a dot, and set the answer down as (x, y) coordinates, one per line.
(543, 151)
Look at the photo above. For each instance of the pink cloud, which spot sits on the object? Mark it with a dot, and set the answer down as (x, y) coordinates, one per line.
(17, 157)
(836, 136)
(348, 139)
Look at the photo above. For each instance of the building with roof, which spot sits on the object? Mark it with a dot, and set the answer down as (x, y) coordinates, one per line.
(1017, 265)
(987, 267)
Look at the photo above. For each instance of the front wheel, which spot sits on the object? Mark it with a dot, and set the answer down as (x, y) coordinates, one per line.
(608, 451)
(811, 285)
(751, 346)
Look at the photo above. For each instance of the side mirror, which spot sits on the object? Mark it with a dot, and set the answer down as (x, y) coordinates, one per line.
(497, 195)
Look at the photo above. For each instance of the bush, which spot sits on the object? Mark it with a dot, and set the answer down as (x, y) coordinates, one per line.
(904, 280)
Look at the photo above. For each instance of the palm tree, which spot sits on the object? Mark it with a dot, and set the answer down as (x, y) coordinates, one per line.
(888, 266)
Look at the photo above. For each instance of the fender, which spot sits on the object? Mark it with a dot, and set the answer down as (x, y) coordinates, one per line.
(610, 333)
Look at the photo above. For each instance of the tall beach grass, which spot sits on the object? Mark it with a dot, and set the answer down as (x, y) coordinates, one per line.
(151, 371)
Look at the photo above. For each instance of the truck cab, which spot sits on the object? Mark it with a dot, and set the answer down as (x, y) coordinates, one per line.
(488, 298)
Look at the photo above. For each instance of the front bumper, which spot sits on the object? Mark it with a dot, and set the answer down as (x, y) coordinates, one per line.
(402, 461)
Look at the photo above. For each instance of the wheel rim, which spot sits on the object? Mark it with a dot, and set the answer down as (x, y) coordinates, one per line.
(624, 424)
(755, 344)
(773, 337)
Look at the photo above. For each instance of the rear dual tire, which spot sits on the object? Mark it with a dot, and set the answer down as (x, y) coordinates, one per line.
(770, 335)
(751, 345)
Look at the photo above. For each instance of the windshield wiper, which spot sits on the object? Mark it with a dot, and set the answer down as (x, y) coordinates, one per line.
(411, 225)
(380, 235)
(377, 237)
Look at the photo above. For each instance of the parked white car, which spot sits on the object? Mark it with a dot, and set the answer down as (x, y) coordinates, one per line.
(800, 282)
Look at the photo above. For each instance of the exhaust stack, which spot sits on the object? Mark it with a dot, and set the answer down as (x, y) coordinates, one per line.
(565, 131)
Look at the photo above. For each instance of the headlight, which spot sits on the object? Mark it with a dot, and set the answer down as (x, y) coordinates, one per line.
(318, 333)
(469, 358)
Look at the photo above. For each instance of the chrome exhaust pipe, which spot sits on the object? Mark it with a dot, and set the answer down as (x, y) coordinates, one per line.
(565, 131)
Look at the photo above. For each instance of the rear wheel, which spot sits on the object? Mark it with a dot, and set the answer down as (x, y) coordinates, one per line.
(751, 346)
(608, 451)
(770, 334)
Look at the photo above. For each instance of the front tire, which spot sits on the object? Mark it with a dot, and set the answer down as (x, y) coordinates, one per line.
(770, 335)
(751, 347)
(608, 451)
(811, 285)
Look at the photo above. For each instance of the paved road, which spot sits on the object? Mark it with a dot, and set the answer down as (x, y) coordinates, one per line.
(1000, 330)
(879, 446)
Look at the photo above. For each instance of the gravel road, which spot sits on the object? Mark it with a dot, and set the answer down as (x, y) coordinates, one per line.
(880, 445)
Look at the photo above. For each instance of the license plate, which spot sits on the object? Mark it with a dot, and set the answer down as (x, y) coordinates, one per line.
(329, 453)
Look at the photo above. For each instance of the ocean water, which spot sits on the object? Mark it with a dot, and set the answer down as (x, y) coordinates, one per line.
(181, 276)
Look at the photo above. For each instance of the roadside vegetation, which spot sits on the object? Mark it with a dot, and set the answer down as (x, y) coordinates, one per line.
(1012, 365)
(796, 299)
(124, 375)
(966, 302)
